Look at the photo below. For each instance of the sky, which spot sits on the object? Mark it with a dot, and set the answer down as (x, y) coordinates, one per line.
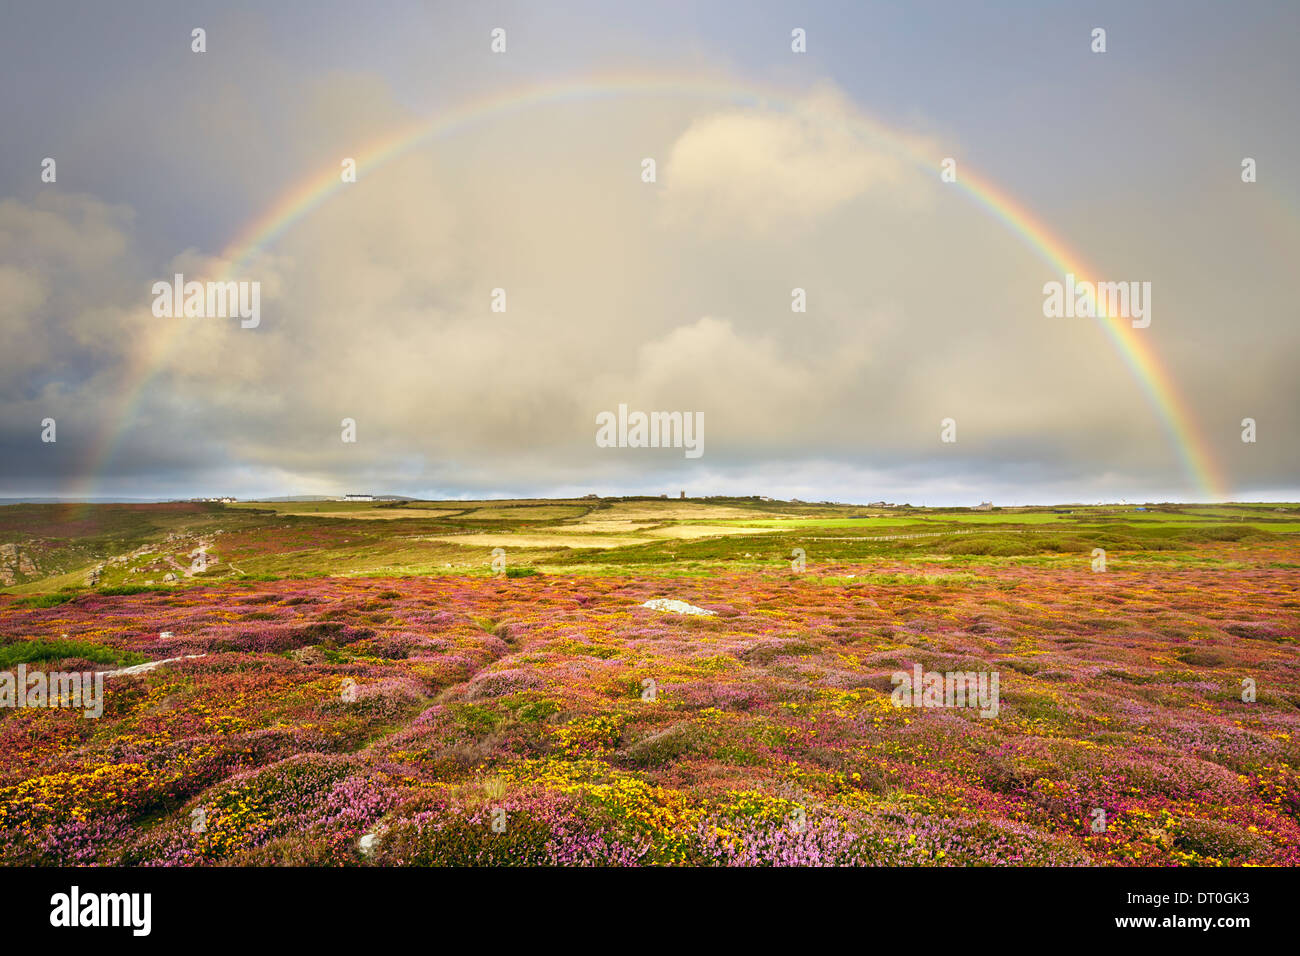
(774, 170)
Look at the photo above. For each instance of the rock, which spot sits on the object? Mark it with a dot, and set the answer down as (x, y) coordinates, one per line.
(367, 844)
(169, 577)
(308, 655)
(676, 607)
(14, 564)
(149, 665)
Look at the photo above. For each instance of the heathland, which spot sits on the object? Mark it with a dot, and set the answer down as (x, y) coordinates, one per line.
(478, 682)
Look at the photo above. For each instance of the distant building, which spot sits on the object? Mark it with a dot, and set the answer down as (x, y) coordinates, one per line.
(592, 497)
(877, 504)
(683, 494)
(358, 497)
(983, 506)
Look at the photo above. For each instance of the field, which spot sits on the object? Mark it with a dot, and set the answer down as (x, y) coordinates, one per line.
(479, 683)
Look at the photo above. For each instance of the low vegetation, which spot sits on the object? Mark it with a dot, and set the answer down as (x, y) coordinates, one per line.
(339, 678)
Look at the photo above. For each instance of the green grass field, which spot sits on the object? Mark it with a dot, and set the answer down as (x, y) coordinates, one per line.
(139, 545)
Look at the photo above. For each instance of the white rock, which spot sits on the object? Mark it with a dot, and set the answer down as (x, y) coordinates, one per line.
(676, 607)
(149, 665)
(367, 844)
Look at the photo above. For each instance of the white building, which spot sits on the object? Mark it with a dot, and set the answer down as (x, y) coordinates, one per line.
(358, 497)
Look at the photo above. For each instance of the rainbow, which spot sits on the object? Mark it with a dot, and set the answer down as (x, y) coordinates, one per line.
(298, 203)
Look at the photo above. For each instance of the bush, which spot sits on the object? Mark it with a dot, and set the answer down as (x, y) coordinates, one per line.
(1223, 841)
(27, 652)
(1202, 658)
(500, 683)
(659, 748)
(46, 600)
(461, 840)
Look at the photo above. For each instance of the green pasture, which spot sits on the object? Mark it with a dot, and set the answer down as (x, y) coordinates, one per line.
(333, 538)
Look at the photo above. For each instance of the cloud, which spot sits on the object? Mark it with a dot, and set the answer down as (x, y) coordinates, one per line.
(759, 171)
(376, 306)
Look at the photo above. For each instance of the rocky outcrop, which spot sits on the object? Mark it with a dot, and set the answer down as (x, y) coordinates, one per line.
(15, 565)
(675, 607)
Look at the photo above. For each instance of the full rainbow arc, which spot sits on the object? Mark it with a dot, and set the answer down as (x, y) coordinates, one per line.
(1138, 356)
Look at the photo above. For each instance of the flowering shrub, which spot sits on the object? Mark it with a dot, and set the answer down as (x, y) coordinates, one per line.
(422, 712)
